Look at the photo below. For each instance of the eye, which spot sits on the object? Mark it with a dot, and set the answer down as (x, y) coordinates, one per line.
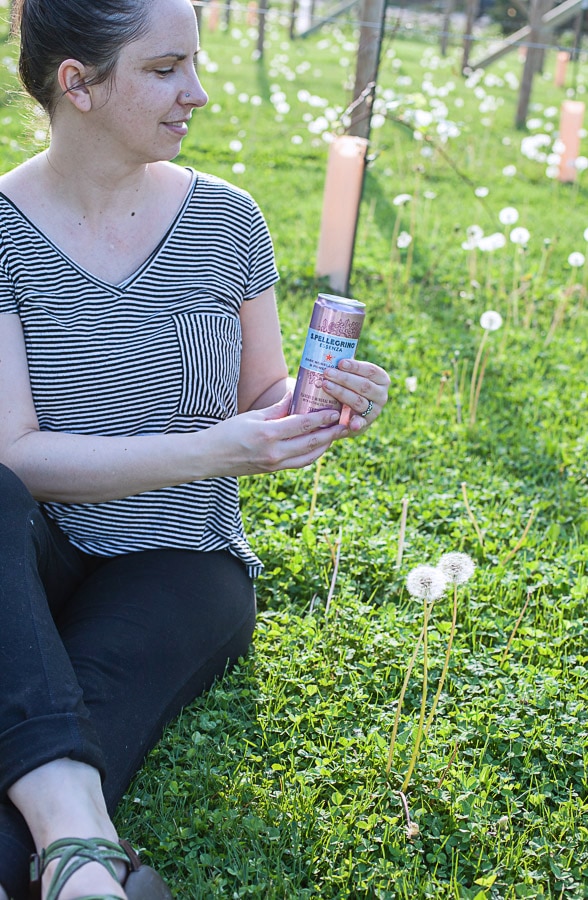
(163, 72)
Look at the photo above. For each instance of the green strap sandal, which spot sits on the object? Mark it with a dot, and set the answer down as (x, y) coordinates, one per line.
(141, 882)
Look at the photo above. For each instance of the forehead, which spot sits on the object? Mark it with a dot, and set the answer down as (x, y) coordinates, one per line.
(171, 27)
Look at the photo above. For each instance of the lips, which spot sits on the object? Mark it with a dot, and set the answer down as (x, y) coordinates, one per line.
(180, 127)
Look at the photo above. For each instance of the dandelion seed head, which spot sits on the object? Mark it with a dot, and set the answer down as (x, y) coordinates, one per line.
(403, 240)
(508, 216)
(520, 235)
(509, 171)
(457, 567)
(411, 383)
(481, 192)
(401, 199)
(492, 242)
(491, 320)
(576, 259)
(412, 830)
(426, 583)
(474, 233)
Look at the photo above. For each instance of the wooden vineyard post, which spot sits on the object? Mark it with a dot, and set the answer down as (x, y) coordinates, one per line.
(263, 8)
(534, 57)
(472, 8)
(373, 13)
(447, 12)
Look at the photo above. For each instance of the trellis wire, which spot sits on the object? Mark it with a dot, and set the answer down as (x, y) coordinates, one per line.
(394, 26)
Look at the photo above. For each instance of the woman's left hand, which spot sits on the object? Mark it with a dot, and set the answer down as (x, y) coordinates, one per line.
(363, 387)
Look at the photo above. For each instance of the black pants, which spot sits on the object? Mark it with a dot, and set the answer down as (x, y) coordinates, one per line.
(97, 655)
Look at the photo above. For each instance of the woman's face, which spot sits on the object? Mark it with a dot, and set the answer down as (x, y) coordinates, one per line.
(143, 111)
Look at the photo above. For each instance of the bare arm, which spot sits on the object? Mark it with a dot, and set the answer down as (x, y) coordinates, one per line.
(264, 375)
(85, 468)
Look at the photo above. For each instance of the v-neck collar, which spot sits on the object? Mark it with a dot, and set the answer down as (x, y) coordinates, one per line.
(124, 285)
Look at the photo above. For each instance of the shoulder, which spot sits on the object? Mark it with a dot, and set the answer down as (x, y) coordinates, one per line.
(16, 184)
(217, 190)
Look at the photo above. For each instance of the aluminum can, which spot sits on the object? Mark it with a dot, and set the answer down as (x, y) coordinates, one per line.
(334, 330)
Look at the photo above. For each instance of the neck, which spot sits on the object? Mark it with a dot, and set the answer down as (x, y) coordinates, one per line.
(95, 186)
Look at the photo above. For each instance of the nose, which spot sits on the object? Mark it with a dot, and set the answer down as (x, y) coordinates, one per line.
(195, 95)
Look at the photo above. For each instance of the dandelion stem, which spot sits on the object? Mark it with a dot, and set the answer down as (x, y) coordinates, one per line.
(317, 475)
(448, 766)
(478, 389)
(558, 315)
(456, 390)
(445, 664)
(515, 286)
(417, 741)
(410, 253)
(514, 631)
(473, 382)
(401, 701)
(404, 802)
(442, 383)
(471, 516)
(412, 829)
(521, 540)
(402, 531)
(335, 571)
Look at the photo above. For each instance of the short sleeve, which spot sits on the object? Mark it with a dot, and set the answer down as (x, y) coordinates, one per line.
(262, 271)
(8, 302)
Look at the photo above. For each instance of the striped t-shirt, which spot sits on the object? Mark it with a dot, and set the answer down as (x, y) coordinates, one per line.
(159, 353)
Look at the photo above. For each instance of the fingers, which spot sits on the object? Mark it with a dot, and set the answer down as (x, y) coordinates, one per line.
(363, 387)
(304, 448)
(293, 441)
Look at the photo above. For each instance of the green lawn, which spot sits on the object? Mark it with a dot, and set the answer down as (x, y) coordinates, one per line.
(274, 785)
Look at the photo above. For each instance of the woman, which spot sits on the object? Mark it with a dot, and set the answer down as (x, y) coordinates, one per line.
(141, 372)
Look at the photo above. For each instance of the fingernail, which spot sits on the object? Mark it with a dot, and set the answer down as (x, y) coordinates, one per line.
(345, 364)
(334, 417)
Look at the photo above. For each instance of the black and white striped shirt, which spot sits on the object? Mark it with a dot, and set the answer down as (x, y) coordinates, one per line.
(159, 353)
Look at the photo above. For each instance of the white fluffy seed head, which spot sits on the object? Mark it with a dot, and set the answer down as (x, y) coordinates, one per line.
(426, 583)
(457, 567)
(491, 320)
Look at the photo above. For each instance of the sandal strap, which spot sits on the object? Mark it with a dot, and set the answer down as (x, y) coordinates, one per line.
(73, 853)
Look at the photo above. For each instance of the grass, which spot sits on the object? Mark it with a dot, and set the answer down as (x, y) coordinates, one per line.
(273, 785)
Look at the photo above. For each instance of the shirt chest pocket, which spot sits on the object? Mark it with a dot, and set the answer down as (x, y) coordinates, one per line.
(210, 348)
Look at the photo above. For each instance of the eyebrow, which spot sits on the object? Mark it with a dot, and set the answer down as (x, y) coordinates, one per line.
(171, 55)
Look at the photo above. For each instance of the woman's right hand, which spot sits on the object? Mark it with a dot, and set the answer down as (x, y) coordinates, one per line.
(269, 440)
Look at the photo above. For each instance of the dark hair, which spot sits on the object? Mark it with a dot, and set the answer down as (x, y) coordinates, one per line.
(91, 31)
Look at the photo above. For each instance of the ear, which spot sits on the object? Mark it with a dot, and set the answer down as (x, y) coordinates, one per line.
(71, 77)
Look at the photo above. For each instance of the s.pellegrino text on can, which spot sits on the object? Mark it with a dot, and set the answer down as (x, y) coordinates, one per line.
(334, 330)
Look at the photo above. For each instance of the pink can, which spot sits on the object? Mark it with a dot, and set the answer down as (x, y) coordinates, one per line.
(333, 334)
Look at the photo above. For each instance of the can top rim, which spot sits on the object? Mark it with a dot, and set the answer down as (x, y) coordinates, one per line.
(342, 301)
